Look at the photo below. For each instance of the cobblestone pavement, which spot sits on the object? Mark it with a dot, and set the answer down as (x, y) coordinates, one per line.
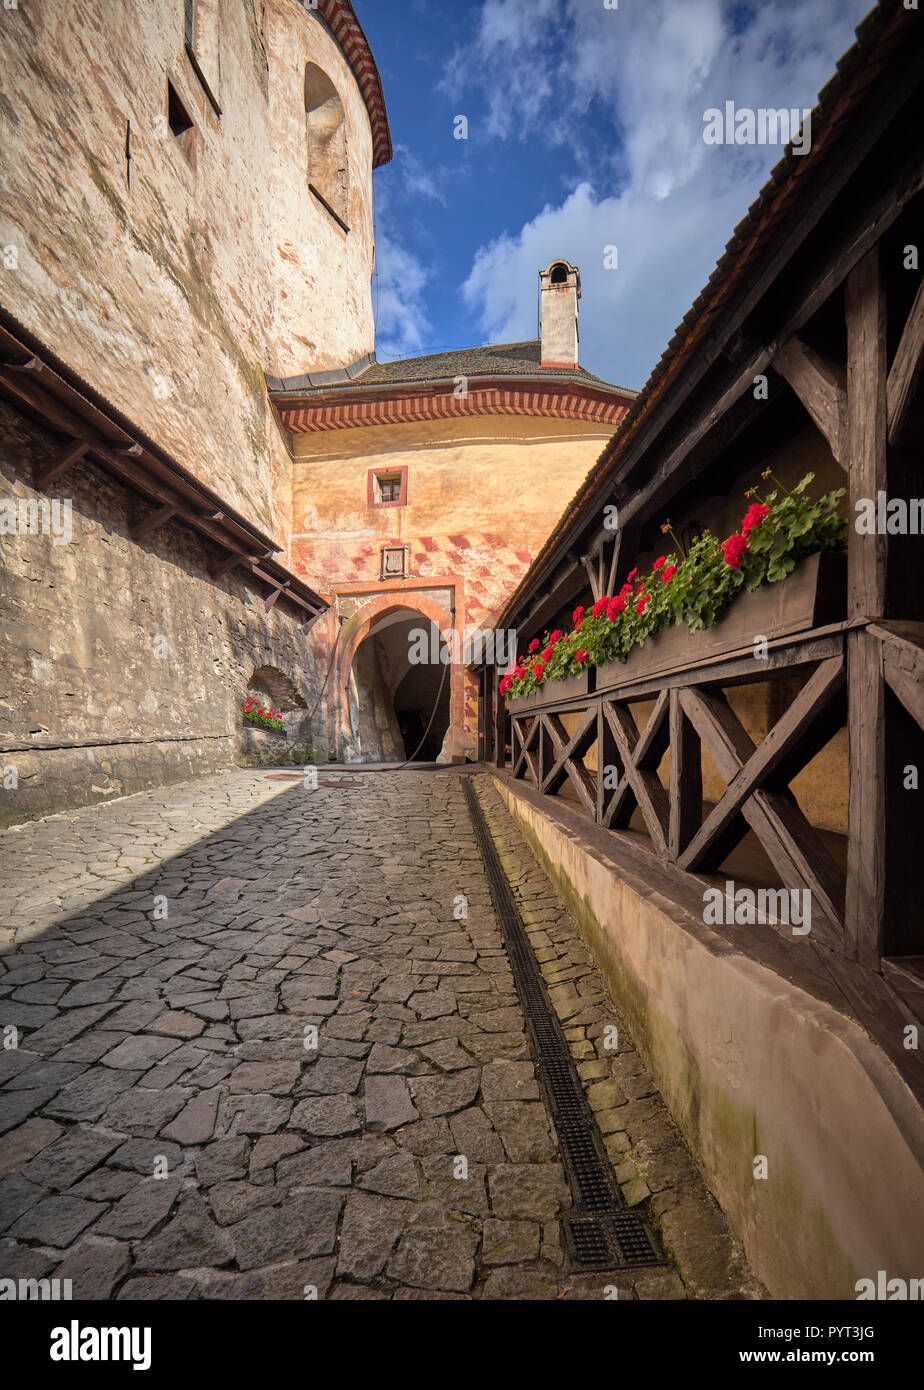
(167, 1129)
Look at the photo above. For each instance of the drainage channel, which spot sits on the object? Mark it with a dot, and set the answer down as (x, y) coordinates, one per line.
(600, 1233)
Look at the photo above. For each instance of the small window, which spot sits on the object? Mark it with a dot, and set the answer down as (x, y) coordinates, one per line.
(394, 562)
(178, 118)
(181, 124)
(328, 172)
(201, 34)
(559, 275)
(387, 488)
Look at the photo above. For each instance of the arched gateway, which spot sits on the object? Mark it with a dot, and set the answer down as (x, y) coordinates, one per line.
(391, 704)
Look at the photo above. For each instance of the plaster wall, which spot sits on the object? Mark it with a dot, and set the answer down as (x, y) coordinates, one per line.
(482, 495)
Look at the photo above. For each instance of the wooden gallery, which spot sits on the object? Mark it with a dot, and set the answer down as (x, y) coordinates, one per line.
(782, 746)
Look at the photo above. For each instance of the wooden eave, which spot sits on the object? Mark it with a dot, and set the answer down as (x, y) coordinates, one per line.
(39, 385)
(699, 395)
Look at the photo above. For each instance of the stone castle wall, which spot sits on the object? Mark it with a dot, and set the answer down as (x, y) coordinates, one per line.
(125, 666)
(173, 279)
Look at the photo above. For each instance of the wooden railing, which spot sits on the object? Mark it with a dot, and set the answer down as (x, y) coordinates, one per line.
(691, 712)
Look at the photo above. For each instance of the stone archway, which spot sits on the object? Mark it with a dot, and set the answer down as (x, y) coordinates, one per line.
(272, 687)
(276, 685)
(408, 694)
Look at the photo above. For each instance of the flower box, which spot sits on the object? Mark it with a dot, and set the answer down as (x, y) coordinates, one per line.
(554, 692)
(814, 595)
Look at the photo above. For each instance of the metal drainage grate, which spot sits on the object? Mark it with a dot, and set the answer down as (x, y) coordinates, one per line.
(601, 1235)
(607, 1242)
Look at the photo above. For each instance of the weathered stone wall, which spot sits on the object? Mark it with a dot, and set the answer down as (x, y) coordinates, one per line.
(172, 280)
(125, 666)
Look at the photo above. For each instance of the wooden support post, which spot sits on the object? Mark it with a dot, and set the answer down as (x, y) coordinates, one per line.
(820, 386)
(607, 757)
(866, 429)
(228, 563)
(866, 844)
(271, 599)
(500, 730)
(686, 795)
(68, 455)
(152, 522)
(906, 370)
(592, 575)
(867, 424)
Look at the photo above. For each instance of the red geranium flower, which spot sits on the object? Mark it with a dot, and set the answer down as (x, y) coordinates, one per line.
(668, 574)
(753, 517)
(547, 654)
(616, 606)
(579, 624)
(556, 636)
(577, 615)
(538, 670)
(735, 549)
(640, 606)
(580, 656)
(599, 607)
(534, 645)
(631, 575)
(660, 561)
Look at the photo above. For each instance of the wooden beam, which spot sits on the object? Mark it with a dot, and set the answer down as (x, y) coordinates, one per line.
(792, 845)
(271, 599)
(714, 840)
(686, 794)
(866, 841)
(566, 750)
(821, 387)
(566, 587)
(67, 455)
(566, 753)
(905, 373)
(607, 757)
(642, 782)
(903, 664)
(682, 463)
(614, 563)
(227, 564)
(592, 575)
(500, 729)
(866, 433)
(152, 522)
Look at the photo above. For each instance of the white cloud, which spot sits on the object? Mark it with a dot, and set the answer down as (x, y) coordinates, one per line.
(402, 326)
(418, 180)
(641, 78)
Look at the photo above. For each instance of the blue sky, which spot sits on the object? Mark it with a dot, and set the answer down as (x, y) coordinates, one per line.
(585, 131)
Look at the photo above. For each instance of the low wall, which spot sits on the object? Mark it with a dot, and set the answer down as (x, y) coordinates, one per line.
(262, 747)
(750, 1064)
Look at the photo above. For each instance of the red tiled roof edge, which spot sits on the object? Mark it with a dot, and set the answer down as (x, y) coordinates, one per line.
(346, 28)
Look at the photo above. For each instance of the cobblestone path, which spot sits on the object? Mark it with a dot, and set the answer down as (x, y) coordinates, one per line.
(168, 1129)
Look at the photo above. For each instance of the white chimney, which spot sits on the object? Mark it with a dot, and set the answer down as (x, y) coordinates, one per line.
(559, 292)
